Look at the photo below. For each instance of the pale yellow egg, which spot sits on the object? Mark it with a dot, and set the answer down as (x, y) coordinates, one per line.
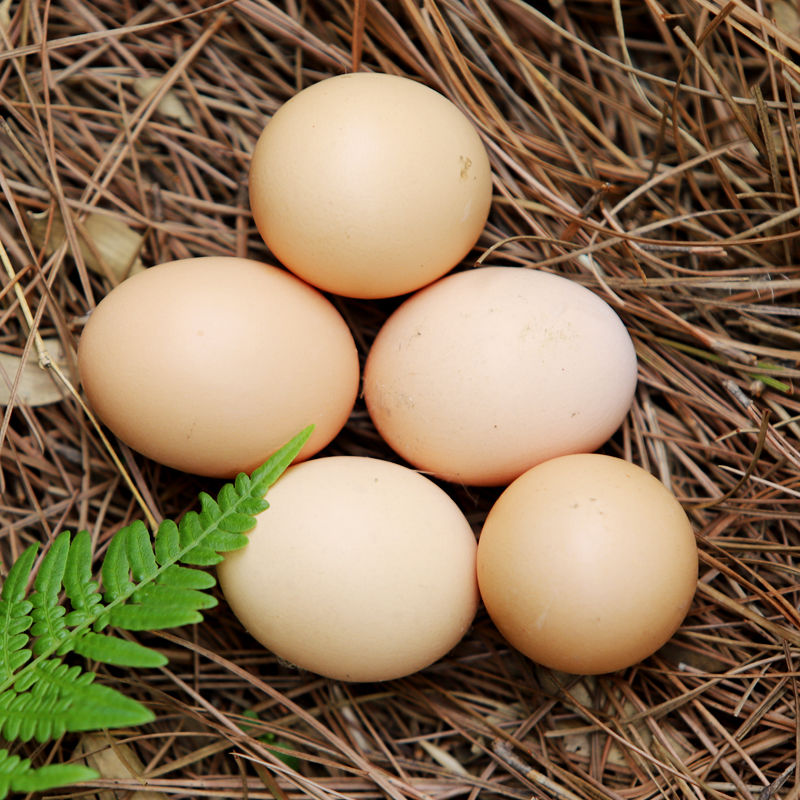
(370, 185)
(361, 570)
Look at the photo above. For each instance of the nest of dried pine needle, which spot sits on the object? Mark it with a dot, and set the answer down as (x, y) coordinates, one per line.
(649, 151)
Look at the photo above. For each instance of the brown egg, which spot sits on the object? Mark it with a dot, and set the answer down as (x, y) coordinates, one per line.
(587, 564)
(369, 185)
(489, 371)
(361, 570)
(211, 364)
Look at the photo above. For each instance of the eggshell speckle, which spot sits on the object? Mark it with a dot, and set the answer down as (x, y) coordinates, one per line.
(361, 570)
(369, 185)
(587, 564)
(488, 372)
(211, 364)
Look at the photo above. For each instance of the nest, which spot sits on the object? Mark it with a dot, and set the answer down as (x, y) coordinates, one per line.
(647, 150)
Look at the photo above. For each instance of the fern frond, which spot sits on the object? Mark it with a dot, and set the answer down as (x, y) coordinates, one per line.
(18, 775)
(145, 584)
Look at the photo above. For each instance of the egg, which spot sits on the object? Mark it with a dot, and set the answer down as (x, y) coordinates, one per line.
(210, 364)
(490, 371)
(587, 563)
(369, 185)
(360, 570)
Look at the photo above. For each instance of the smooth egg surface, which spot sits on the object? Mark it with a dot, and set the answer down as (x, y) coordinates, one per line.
(587, 564)
(360, 570)
(490, 371)
(369, 185)
(209, 365)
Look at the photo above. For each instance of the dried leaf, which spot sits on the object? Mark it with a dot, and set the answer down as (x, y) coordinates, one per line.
(5, 15)
(169, 105)
(579, 743)
(37, 385)
(787, 16)
(108, 245)
(443, 758)
(115, 760)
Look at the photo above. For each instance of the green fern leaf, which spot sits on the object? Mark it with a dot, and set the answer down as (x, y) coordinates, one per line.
(209, 508)
(187, 578)
(32, 714)
(49, 626)
(168, 542)
(165, 594)
(237, 523)
(242, 484)
(252, 505)
(139, 617)
(140, 552)
(200, 556)
(27, 717)
(50, 776)
(64, 699)
(15, 615)
(82, 591)
(18, 775)
(228, 497)
(16, 581)
(97, 706)
(223, 541)
(120, 652)
(189, 530)
(115, 570)
(265, 476)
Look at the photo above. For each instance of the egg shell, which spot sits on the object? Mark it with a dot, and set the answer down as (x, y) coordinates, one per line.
(360, 570)
(209, 365)
(490, 371)
(587, 564)
(369, 185)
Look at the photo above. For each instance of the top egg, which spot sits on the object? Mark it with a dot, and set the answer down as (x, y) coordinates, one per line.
(369, 185)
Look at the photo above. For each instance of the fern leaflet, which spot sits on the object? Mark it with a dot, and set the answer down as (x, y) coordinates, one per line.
(18, 775)
(15, 616)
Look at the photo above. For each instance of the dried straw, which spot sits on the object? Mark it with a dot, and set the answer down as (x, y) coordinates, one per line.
(648, 150)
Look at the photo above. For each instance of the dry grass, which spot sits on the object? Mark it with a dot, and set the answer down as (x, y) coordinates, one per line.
(647, 149)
